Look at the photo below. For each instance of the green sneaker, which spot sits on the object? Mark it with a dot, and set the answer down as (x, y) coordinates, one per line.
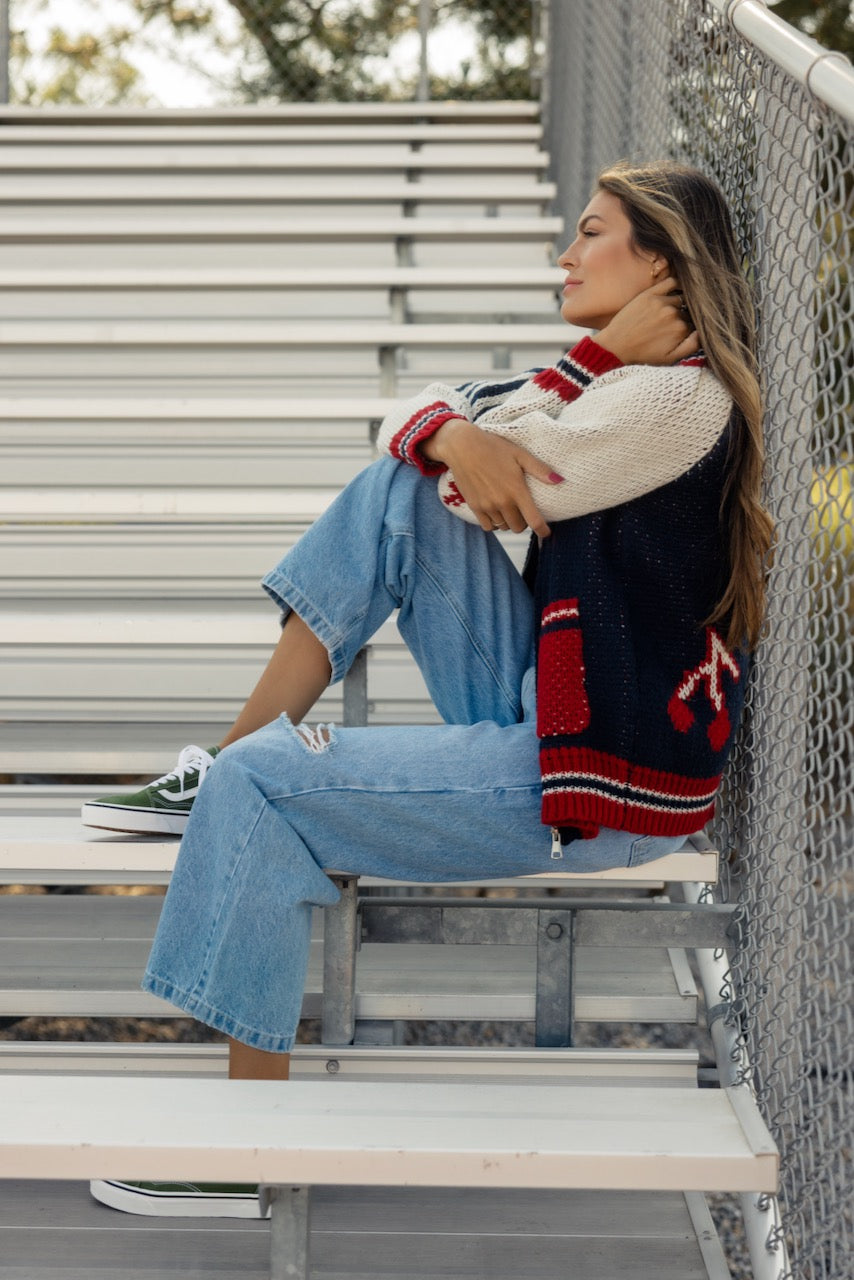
(163, 806)
(180, 1199)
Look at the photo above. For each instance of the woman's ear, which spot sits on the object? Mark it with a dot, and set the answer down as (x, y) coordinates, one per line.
(659, 268)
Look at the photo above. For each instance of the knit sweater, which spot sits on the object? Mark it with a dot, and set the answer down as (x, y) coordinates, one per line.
(637, 700)
(613, 431)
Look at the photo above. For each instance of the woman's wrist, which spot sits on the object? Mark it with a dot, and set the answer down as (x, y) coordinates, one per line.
(435, 447)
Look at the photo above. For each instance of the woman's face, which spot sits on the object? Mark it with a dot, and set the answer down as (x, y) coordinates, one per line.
(604, 270)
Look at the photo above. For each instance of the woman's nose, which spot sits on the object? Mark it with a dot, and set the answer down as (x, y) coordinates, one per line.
(565, 259)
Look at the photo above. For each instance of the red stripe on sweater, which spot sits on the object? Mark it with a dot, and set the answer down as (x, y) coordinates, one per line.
(620, 772)
(641, 804)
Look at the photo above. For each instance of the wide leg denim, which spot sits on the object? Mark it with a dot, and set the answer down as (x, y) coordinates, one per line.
(430, 803)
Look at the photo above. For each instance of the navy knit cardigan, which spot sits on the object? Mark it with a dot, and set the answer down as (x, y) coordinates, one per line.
(637, 699)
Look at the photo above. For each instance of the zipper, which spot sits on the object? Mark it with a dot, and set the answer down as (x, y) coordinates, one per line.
(557, 847)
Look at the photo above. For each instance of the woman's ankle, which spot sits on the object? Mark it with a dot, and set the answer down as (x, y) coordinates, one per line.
(246, 1063)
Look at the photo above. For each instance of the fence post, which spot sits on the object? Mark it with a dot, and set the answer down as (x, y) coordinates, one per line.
(5, 41)
(424, 15)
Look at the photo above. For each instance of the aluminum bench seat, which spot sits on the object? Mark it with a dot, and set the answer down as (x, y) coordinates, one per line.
(108, 188)
(38, 846)
(483, 1135)
(218, 353)
(245, 158)
(336, 113)
(55, 1231)
(132, 135)
(415, 294)
(80, 679)
(259, 242)
(183, 334)
(273, 277)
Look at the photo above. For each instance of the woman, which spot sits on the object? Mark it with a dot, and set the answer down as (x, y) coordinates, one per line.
(643, 599)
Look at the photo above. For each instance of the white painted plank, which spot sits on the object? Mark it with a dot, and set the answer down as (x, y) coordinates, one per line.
(250, 333)
(111, 503)
(338, 411)
(276, 277)
(86, 158)
(249, 133)
(51, 844)
(71, 117)
(348, 190)
(138, 227)
(417, 1135)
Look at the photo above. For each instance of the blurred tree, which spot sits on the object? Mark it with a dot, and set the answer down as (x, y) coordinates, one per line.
(278, 50)
(830, 22)
(309, 50)
(73, 70)
(306, 50)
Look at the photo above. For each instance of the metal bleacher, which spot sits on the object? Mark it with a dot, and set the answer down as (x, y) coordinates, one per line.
(203, 316)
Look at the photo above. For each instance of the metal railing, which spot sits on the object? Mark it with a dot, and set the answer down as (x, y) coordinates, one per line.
(767, 113)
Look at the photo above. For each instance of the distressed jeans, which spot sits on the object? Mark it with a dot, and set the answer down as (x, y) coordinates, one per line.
(431, 803)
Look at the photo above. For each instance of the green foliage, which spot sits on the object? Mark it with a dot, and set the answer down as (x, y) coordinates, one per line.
(283, 50)
(830, 22)
(82, 70)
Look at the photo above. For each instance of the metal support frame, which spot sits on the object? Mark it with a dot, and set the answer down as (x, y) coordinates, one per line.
(340, 943)
(511, 921)
(340, 931)
(290, 1229)
(5, 51)
(763, 1225)
(555, 928)
(355, 712)
(555, 1004)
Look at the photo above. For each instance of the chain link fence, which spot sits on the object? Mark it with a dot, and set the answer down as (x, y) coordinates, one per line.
(678, 80)
(226, 52)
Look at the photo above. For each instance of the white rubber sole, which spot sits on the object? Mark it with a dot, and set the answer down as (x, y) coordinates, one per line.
(175, 1204)
(113, 817)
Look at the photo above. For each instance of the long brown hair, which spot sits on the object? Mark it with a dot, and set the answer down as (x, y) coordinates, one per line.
(675, 211)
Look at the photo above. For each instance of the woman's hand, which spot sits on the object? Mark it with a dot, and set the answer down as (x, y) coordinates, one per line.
(652, 328)
(490, 474)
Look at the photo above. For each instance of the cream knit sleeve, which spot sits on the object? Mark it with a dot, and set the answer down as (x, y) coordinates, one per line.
(634, 429)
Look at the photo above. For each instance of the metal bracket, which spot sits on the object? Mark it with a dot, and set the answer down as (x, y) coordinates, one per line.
(340, 943)
(290, 1230)
(555, 1002)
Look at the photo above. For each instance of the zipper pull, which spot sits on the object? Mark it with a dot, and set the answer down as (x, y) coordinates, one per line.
(557, 848)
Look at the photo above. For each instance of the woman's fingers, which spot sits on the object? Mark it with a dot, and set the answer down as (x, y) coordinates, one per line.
(689, 347)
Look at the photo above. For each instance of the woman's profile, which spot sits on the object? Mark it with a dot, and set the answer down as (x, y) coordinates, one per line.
(588, 706)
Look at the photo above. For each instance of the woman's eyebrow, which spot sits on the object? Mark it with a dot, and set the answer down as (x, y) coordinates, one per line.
(584, 221)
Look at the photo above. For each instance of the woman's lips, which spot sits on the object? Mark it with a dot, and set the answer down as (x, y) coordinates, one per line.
(570, 284)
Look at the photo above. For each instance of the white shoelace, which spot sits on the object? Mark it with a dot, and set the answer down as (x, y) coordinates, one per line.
(190, 759)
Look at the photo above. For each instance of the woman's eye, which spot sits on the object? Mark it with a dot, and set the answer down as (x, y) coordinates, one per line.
(590, 234)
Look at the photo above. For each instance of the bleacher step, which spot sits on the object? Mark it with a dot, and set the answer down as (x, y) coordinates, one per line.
(83, 955)
(485, 1135)
(55, 1231)
(59, 850)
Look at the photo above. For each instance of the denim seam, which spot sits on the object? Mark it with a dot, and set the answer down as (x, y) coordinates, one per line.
(513, 701)
(204, 968)
(488, 788)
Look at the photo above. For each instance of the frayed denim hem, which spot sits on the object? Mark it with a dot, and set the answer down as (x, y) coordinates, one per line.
(215, 1017)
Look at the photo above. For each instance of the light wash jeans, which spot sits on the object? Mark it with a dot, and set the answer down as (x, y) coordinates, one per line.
(429, 803)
